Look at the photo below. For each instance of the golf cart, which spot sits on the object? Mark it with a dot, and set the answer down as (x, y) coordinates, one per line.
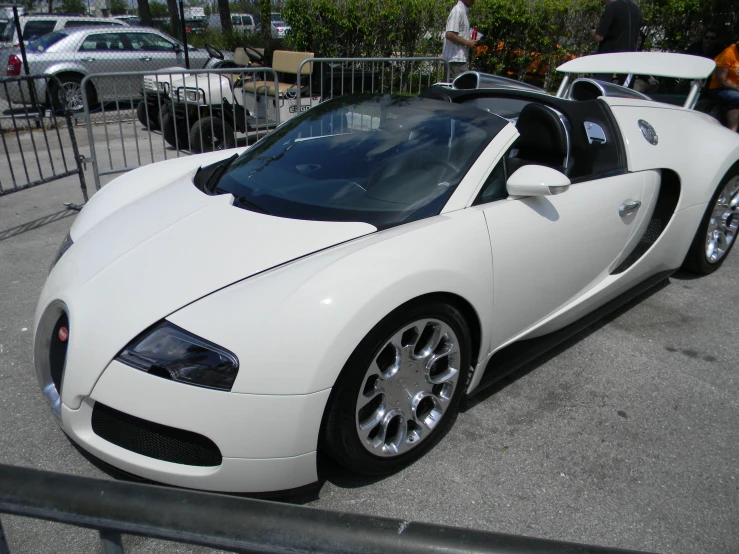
(211, 111)
(157, 86)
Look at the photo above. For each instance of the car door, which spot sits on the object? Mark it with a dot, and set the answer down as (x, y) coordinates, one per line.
(549, 250)
(106, 52)
(154, 51)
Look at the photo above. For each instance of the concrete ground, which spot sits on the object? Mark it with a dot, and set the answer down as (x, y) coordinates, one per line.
(626, 436)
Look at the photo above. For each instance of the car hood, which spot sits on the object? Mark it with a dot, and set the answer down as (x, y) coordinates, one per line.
(137, 259)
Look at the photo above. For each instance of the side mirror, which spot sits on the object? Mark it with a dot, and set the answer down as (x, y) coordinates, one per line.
(177, 48)
(537, 180)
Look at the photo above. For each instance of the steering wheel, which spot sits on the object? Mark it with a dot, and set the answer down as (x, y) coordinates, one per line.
(213, 52)
(254, 55)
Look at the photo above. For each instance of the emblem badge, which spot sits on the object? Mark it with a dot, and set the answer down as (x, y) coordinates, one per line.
(63, 334)
(649, 133)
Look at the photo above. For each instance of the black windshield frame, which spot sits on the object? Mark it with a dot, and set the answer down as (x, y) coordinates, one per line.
(382, 160)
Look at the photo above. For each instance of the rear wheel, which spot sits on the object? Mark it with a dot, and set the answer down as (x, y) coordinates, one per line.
(66, 93)
(718, 229)
(174, 135)
(211, 134)
(399, 389)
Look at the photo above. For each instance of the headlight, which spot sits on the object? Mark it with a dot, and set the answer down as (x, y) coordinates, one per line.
(168, 351)
(62, 249)
(194, 96)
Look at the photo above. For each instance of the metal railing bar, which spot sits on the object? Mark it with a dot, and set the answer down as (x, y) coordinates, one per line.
(90, 137)
(4, 548)
(30, 127)
(135, 124)
(18, 138)
(120, 123)
(10, 164)
(242, 524)
(111, 542)
(107, 138)
(55, 123)
(76, 154)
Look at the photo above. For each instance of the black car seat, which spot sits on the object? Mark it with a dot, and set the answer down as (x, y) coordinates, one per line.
(544, 140)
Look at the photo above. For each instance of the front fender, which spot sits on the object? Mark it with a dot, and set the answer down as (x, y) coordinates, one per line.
(293, 328)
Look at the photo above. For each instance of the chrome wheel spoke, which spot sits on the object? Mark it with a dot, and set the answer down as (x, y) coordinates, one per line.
(724, 222)
(408, 387)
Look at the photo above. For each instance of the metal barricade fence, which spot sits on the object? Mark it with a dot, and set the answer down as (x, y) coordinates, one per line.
(38, 140)
(134, 118)
(331, 77)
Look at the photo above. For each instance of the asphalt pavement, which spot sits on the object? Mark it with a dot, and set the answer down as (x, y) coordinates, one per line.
(626, 436)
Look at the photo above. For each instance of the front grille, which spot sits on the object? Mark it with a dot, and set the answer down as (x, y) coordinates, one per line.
(58, 351)
(154, 440)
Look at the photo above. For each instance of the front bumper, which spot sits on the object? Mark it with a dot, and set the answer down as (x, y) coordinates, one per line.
(267, 442)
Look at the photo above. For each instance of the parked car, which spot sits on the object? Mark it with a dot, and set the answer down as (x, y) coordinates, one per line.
(37, 25)
(214, 321)
(279, 26)
(243, 23)
(70, 55)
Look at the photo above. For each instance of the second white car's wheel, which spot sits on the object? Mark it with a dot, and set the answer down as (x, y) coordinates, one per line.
(718, 229)
(399, 390)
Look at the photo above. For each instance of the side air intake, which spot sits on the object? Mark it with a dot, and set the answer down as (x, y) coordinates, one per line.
(589, 89)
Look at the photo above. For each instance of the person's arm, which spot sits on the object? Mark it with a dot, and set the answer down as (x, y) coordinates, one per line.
(456, 38)
(722, 76)
(606, 20)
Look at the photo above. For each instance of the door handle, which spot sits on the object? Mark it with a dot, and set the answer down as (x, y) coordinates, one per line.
(88, 59)
(628, 207)
(145, 59)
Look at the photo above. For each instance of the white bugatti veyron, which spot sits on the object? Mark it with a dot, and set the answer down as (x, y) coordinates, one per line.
(214, 321)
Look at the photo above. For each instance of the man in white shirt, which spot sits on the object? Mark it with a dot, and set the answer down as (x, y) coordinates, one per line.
(457, 39)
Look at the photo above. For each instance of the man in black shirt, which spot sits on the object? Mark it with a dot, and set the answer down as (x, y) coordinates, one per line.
(618, 30)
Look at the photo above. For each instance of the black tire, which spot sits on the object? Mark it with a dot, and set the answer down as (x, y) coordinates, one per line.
(175, 137)
(339, 437)
(697, 260)
(153, 120)
(211, 134)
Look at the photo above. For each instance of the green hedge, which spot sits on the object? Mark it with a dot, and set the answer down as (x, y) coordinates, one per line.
(524, 39)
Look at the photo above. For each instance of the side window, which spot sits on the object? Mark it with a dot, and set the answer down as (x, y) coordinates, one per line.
(149, 42)
(38, 28)
(73, 23)
(103, 42)
(235, 20)
(494, 186)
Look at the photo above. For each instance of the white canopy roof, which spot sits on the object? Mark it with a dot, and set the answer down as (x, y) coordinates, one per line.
(655, 64)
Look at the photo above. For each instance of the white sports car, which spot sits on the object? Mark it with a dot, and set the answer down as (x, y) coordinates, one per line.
(213, 321)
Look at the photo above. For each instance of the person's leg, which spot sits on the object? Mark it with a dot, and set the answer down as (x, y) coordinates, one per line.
(730, 100)
(456, 69)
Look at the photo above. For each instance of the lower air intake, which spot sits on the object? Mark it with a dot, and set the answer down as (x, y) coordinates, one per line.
(154, 440)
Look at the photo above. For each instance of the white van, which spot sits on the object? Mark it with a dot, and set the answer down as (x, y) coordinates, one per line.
(243, 23)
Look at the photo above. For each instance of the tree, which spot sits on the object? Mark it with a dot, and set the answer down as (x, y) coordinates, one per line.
(73, 6)
(266, 12)
(174, 17)
(157, 9)
(118, 7)
(145, 12)
(225, 10)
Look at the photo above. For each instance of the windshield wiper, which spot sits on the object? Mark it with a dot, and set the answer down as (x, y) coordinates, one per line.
(206, 178)
(242, 202)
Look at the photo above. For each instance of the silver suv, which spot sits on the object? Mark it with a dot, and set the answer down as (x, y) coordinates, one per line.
(70, 55)
(39, 25)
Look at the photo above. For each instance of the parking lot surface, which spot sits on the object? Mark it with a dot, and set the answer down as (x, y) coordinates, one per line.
(625, 436)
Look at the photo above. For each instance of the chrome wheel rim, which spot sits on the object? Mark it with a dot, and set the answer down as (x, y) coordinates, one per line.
(407, 388)
(724, 222)
(70, 95)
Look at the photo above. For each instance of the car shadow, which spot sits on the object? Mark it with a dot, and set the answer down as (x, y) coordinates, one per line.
(472, 401)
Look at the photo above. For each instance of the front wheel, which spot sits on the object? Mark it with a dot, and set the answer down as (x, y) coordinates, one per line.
(211, 134)
(399, 389)
(66, 94)
(152, 121)
(718, 230)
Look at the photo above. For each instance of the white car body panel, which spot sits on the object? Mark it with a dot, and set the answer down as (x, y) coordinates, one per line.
(291, 299)
(656, 64)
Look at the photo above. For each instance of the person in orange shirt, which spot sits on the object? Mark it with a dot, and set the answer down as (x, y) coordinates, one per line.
(724, 87)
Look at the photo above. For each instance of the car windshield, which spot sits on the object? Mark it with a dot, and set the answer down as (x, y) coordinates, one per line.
(383, 160)
(41, 44)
